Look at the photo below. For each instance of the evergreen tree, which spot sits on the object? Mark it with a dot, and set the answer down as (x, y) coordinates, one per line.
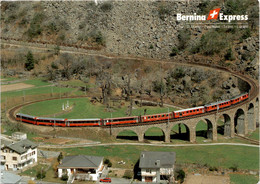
(29, 64)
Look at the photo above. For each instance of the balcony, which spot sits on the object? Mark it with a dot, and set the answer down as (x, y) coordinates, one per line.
(148, 173)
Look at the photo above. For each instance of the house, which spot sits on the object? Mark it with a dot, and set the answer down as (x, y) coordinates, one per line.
(157, 166)
(81, 167)
(18, 155)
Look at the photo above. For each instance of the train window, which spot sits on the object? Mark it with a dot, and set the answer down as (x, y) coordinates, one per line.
(167, 115)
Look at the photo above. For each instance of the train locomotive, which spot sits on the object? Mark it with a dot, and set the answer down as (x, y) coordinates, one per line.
(97, 122)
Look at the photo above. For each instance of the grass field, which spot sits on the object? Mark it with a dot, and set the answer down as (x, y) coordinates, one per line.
(255, 135)
(34, 91)
(83, 108)
(219, 156)
(243, 179)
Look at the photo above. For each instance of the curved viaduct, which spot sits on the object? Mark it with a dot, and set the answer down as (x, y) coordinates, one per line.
(241, 118)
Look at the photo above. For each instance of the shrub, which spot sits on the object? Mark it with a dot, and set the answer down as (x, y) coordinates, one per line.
(29, 64)
(184, 37)
(235, 7)
(57, 50)
(97, 37)
(107, 6)
(128, 174)
(151, 46)
(178, 73)
(229, 55)
(234, 167)
(34, 30)
(181, 175)
(107, 161)
(246, 34)
(163, 11)
(64, 177)
(37, 18)
(41, 174)
(213, 168)
(174, 52)
(60, 157)
(212, 42)
(158, 86)
(53, 27)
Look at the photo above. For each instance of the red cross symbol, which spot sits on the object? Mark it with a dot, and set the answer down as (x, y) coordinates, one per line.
(213, 14)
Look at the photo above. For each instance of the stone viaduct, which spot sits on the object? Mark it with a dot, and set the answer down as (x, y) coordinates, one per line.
(239, 120)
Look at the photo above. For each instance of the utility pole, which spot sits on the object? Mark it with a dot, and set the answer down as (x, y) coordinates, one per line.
(111, 124)
(168, 115)
(23, 96)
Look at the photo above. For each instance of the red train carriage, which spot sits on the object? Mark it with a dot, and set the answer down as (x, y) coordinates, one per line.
(51, 121)
(83, 122)
(124, 120)
(189, 112)
(156, 117)
(239, 98)
(26, 118)
(217, 105)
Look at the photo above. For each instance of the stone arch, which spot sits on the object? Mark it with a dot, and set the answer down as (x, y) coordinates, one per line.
(224, 125)
(204, 128)
(257, 112)
(180, 131)
(153, 133)
(239, 120)
(127, 134)
(251, 117)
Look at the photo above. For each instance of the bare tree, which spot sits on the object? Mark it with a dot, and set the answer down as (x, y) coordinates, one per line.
(127, 88)
(66, 61)
(105, 85)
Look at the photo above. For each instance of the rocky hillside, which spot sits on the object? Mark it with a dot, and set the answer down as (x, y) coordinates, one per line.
(139, 28)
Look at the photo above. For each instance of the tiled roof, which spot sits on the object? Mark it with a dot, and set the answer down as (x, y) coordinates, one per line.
(21, 146)
(157, 159)
(81, 161)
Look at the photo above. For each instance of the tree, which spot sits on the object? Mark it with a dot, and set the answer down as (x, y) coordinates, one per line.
(60, 157)
(64, 177)
(181, 175)
(66, 62)
(41, 174)
(108, 162)
(29, 63)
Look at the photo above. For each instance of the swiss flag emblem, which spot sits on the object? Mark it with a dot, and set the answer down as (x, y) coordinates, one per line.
(213, 14)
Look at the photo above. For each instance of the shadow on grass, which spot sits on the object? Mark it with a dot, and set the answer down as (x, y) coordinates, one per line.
(132, 138)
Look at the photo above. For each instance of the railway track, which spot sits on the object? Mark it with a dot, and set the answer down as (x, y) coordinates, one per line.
(252, 93)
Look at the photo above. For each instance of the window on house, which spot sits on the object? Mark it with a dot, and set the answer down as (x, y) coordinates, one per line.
(15, 166)
(148, 170)
(14, 158)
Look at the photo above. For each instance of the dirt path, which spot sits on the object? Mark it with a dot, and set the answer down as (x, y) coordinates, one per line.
(12, 87)
(204, 179)
(143, 144)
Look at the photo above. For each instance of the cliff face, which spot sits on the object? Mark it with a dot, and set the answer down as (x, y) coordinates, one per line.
(137, 28)
(130, 27)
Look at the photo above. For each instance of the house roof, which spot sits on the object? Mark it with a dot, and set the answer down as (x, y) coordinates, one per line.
(81, 161)
(8, 177)
(153, 160)
(21, 146)
(5, 142)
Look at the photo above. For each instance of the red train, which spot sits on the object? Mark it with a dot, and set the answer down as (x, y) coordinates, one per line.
(95, 122)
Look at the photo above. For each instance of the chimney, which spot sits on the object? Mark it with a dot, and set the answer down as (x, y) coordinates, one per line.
(157, 163)
(143, 155)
